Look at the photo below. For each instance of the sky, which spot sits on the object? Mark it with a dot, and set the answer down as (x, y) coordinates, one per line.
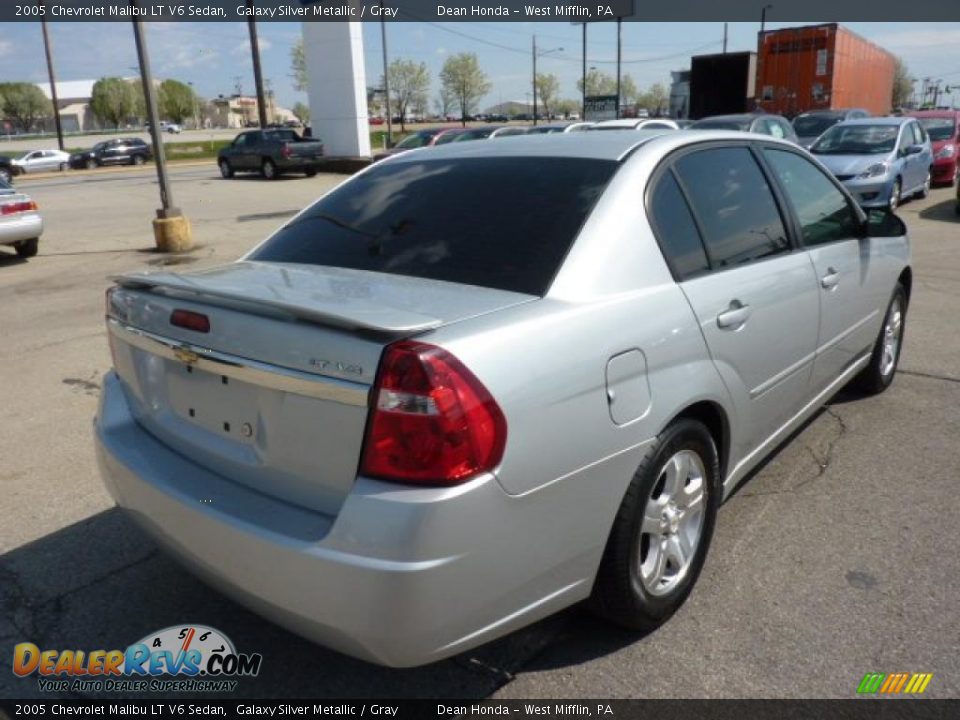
(215, 56)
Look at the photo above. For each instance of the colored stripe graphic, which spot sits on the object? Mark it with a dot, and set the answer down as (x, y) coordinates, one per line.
(894, 683)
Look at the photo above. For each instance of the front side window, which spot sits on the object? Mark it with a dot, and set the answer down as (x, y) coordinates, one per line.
(497, 222)
(676, 230)
(824, 213)
(734, 204)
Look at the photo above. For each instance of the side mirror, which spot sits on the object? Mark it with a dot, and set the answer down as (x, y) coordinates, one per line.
(882, 222)
(913, 150)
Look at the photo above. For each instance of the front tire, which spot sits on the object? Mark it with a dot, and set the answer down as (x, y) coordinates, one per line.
(137, 160)
(877, 376)
(895, 194)
(27, 248)
(268, 170)
(92, 164)
(662, 531)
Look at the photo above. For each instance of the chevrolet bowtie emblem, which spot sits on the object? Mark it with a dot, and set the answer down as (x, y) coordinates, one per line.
(185, 354)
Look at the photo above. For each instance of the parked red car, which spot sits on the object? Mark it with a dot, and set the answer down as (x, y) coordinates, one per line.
(942, 126)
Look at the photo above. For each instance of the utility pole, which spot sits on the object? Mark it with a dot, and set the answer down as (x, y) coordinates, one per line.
(171, 229)
(534, 80)
(53, 80)
(386, 77)
(619, 49)
(257, 74)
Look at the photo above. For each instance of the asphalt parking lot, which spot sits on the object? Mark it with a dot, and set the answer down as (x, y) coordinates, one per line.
(837, 557)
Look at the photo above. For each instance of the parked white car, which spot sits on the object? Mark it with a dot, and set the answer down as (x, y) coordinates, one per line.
(20, 221)
(40, 161)
(636, 124)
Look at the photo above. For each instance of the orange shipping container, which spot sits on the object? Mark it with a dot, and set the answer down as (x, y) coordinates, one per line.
(821, 67)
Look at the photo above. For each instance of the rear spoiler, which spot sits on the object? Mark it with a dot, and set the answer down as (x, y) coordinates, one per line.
(357, 315)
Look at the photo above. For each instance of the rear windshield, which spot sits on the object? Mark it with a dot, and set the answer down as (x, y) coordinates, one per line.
(739, 125)
(504, 223)
(281, 135)
(810, 125)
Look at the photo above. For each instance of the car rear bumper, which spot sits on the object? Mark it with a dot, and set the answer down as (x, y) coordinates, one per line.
(401, 576)
(23, 227)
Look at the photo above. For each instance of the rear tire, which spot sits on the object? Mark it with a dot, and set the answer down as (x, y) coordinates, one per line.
(28, 248)
(226, 172)
(5, 175)
(662, 531)
(925, 190)
(137, 160)
(268, 170)
(878, 375)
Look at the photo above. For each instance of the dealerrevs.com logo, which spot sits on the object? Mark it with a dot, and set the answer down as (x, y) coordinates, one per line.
(182, 658)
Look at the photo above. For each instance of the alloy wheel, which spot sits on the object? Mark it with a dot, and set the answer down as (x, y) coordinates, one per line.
(892, 332)
(672, 523)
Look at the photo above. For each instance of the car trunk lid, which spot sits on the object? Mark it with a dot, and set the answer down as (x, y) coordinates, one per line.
(275, 395)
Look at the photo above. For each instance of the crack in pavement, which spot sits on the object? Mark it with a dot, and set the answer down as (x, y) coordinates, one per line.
(929, 376)
(26, 616)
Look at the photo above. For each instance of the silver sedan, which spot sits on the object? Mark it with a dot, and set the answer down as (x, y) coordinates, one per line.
(478, 383)
(20, 222)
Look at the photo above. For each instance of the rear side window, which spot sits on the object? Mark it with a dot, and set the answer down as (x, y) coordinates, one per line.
(734, 204)
(824, 213)
(676, 229)
(500, 222)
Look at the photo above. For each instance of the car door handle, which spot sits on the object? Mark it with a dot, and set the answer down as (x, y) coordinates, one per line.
(830, 280)
(734, 317)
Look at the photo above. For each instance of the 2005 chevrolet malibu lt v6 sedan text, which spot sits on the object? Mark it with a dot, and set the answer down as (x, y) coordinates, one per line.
(476, 384)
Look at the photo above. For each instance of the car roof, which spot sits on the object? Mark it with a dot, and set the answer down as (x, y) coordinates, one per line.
(955, 114)
(895, 121)
(598, 146)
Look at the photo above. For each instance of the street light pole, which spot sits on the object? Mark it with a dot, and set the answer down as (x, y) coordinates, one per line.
(583, 81)
(619, 48)
(257, 74)
(534, 80)
(171, 230)
(53, 81)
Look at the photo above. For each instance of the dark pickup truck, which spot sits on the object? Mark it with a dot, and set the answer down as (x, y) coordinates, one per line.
(270, 153)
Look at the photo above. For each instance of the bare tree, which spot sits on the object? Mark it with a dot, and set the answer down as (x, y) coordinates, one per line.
(409, 82)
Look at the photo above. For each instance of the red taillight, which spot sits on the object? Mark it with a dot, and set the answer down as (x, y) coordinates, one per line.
(434, 423)
(18, 207)
(190, 320)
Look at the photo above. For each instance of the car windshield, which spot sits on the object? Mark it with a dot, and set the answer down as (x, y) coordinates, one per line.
(940, 128)
(717, 124)
(811, 125)
(496, 222)
(857, 140)
(414, 141)
(100, 146)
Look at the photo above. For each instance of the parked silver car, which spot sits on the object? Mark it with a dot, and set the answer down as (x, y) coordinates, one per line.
(20, 222)
(478, 383)
(881, 161)
(41, 161)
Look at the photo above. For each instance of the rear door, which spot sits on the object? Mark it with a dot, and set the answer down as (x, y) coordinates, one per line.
(757, 306)
(847, 275)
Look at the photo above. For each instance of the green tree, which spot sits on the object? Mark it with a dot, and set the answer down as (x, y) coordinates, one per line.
(566, 107)
(302, 112)
(113, 101)
(548, 86)
(409, 83)
(598, 83)
(176, 101)
(628, 91)
(298, 66)
(902, 84)
(465, 81)
(444, 101)
(656, 99)
(24, 104)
